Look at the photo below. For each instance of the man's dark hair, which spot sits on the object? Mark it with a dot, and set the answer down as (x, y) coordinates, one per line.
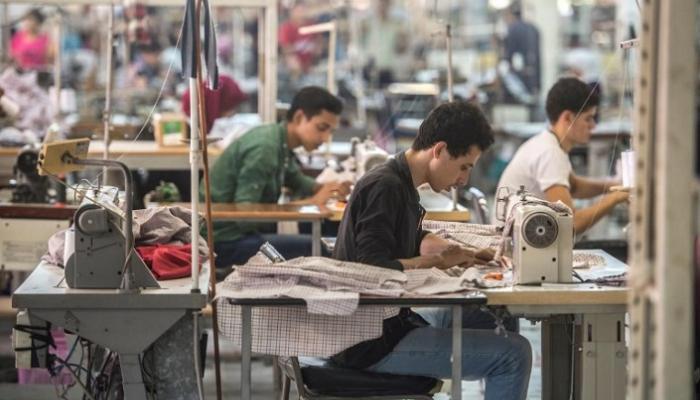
(459, 124)
(569, 94)
(36, 14)
(312, 100)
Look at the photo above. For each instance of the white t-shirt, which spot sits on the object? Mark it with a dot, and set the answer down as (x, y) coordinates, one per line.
(539, 164)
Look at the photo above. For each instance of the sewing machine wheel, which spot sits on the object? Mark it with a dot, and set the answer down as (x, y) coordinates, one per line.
(540, 230)
(374, 162)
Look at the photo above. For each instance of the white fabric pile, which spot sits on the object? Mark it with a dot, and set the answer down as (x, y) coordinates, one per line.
(33, 101)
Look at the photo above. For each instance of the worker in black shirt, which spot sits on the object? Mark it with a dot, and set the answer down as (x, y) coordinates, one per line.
(382, 226)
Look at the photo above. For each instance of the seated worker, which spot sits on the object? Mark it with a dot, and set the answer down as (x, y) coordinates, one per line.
(382, 226)
(219, 102)
(255, 168)
(542, 163)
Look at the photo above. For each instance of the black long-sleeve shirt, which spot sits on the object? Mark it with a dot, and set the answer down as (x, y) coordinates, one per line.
(382, 224)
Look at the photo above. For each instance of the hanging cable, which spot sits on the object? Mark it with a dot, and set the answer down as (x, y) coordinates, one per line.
(208, 214)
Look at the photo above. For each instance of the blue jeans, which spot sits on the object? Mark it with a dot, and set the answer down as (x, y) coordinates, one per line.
(504, 362)
(237, 252)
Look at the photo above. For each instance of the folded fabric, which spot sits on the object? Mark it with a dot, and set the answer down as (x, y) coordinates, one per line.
(328, 286)
(167, 261)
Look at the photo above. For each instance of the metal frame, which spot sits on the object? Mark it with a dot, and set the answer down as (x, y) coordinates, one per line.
(663, 215)
(456, 304)
(108, 317)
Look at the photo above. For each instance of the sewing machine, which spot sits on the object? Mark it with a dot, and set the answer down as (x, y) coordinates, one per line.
(364, 156)
(367, 155)
(543, 240)
(95, 247)
(26, 183)
(140, 317)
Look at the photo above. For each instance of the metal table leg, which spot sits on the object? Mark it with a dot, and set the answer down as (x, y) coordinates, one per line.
(246, 344)
(316, 237)
(132, 381)
(457, 352)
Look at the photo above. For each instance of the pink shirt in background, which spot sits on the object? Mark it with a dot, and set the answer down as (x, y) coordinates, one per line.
(30, 52)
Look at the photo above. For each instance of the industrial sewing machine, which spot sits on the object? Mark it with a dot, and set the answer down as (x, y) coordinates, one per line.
(543, 238)
(367, 155)
(26, 183)
(98, 242)
(364, 156)
(141, 317)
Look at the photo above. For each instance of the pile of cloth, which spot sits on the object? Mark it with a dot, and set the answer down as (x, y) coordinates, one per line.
(331, 319)
(162, 236)
(34, 104)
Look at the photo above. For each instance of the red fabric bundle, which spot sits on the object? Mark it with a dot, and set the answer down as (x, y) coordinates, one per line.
(167, 261)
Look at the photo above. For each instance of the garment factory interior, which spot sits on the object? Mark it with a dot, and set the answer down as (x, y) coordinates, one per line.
(395, 199)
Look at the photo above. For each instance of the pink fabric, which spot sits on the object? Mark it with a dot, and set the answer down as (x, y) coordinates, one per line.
(30, 53)
(34, 376)
(217, 102)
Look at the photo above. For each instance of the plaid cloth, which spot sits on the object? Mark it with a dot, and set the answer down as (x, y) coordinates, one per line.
(474, 236)
(331, 321)
(292, 331)
(329, 287)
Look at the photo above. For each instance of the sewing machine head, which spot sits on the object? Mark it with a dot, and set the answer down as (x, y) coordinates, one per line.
(543, 240)
(94, 255)
(28, 186)
(367, 156)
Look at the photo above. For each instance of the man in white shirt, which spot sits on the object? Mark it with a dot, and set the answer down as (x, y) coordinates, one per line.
(542, 163)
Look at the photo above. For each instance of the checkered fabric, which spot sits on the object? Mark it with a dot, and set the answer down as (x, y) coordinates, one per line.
(475, 236)
(292, 331)
(331, 320)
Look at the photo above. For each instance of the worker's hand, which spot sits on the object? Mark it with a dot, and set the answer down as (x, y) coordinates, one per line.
(483, 256)
(342, 188)
(330, 190)
(456, 255)
(620, 196)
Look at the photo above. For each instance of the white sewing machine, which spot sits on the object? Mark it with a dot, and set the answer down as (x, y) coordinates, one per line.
(543, 240)
(367, 156)
(364, 156)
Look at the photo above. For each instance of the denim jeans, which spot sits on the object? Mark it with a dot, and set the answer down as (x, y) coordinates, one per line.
(504, 362)
(237, 252)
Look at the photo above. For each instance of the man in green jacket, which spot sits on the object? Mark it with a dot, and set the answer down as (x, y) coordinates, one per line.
(255, 168)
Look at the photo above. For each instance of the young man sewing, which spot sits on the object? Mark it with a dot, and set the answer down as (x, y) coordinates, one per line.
(382, 226)
(542, 163)
(255, 168)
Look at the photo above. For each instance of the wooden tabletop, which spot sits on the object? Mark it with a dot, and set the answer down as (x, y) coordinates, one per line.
(558, 294)
(118, 147)
(36, 211)
(264, 211)
(460, 215)
(438, 208)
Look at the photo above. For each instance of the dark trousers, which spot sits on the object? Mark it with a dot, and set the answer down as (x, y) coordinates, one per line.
(237, 252)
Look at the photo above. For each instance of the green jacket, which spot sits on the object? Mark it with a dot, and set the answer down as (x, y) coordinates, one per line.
(253, 169)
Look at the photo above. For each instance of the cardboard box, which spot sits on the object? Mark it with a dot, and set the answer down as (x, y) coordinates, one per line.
(169, 129)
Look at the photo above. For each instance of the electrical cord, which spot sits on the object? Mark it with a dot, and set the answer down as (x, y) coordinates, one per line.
(76, 377)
